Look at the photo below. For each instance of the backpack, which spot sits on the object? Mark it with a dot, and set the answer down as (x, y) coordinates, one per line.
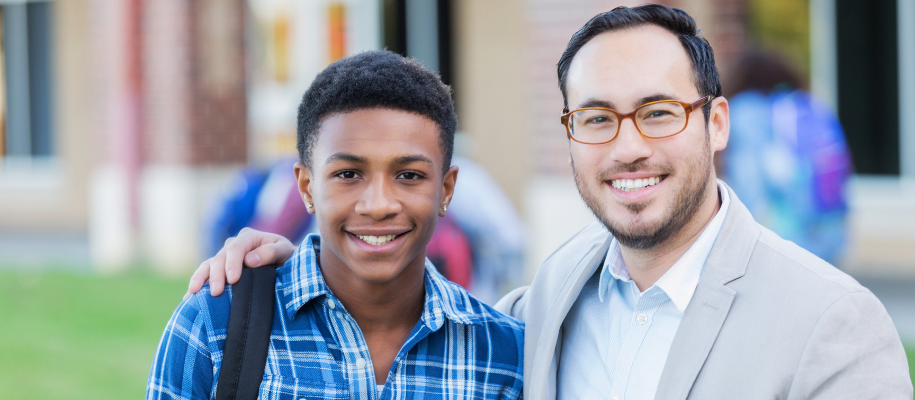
(248, 334)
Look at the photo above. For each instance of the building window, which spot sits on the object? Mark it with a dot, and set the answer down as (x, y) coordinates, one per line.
(868, 83)
(26, 81)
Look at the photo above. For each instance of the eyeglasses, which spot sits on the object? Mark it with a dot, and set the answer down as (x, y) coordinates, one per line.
(656, 120)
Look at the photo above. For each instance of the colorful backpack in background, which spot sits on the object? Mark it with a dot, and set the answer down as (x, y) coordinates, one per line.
(788, 161)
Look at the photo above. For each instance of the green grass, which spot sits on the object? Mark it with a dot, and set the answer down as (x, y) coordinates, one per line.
(81, 336)
(910, 353)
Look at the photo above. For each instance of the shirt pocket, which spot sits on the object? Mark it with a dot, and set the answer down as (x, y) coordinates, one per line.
(283, 388)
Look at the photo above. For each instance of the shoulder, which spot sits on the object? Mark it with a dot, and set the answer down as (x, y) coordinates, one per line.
(204, 313)
(466, 308)
(572, 250)
(790, 262)
(478, 318)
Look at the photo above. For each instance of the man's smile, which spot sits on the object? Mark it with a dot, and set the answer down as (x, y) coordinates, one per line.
(629, 185)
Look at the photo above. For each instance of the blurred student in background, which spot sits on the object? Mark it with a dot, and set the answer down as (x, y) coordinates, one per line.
(787, 158)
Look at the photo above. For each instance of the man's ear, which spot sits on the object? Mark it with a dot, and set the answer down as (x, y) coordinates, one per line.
(448, 182)
(719, 124)
(304, 178)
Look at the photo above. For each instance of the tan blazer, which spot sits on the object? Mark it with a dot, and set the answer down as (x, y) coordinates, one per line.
(768, 320)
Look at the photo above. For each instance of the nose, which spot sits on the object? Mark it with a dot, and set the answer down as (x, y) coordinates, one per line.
(378, 200)
(630, 146)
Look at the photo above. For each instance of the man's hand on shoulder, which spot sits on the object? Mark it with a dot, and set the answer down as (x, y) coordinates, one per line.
(250, 248)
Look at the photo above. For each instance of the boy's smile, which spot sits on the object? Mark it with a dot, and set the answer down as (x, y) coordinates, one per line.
(377, 187)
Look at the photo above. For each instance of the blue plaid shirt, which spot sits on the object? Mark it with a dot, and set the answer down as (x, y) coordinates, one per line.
(460, 348)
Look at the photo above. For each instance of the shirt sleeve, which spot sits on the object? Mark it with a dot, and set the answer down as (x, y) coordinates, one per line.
(183, 367)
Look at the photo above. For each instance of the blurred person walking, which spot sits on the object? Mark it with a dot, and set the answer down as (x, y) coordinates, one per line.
(787, 158)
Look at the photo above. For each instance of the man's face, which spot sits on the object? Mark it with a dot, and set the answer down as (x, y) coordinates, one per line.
(377, 188)
(623, 70)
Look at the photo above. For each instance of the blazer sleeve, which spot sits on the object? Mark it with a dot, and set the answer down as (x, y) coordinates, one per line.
(513, 303)
(854, 352)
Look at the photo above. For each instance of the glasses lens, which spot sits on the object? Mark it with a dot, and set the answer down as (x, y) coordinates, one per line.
(593, 126)
(661, 119)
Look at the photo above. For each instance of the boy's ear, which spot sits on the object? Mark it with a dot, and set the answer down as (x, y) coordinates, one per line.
(448, 183)
(304, 178)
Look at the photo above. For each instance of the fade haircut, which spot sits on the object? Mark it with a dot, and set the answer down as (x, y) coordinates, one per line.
(674, 20)
(376, 79)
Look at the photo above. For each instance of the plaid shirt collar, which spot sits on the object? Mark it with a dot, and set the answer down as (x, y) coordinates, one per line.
(301, 281)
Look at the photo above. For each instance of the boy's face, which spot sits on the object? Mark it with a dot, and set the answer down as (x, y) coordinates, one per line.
(377, 187)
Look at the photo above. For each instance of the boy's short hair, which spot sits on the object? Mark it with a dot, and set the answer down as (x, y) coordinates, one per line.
(376, 79)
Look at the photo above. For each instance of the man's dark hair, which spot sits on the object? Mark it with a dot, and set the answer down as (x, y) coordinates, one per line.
(677, 21)
(376, 79)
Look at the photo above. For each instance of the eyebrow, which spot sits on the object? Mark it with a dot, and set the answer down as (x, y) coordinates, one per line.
(412, 159)
(344, 157)
(403, 160)
(592, 102)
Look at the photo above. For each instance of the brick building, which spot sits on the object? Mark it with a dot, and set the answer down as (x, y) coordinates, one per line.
(157, 102)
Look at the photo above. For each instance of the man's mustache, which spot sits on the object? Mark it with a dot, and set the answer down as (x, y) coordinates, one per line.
(639, 166)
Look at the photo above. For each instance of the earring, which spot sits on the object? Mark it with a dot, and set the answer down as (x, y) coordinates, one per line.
(309, 205)
(444, 208)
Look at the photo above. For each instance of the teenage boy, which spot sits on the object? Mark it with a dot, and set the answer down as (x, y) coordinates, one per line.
(359, 312)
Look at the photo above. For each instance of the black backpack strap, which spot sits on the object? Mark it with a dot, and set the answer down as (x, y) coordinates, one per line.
(248, 334)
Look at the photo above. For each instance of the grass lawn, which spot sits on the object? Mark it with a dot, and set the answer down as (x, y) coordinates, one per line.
(910, 353)
(81, 336)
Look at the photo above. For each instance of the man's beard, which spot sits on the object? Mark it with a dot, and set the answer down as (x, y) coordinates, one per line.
(686, 203)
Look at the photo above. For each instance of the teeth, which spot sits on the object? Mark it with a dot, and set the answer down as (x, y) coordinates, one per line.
(628, 185)
(377, 240)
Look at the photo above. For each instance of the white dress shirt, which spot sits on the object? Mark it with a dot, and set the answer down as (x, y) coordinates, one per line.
(616, 339)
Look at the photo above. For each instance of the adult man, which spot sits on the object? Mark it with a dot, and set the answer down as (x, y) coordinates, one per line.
(677, 293)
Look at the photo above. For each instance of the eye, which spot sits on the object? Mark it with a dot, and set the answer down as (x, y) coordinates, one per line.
(658, 114)
(347, 175)
(597, 120)
(410, 175)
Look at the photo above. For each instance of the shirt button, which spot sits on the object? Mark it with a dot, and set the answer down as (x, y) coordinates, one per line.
(642, 318)
(360, 363)
(614, 398)
(331, 304)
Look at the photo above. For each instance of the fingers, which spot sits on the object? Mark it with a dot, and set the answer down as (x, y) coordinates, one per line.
(270, 253)
(235, 256)
(251, 248)
(198, 278)
(217, 274)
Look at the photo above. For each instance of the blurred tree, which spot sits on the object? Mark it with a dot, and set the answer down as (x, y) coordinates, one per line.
(782, 26)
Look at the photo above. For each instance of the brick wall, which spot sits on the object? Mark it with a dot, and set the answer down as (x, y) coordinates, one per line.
(172, 80)
(218, 106)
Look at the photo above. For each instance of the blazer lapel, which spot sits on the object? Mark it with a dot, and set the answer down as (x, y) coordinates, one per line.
(545, 361)
(708, 309)
(694, 339)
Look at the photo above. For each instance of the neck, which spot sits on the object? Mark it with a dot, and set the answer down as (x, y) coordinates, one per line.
(378, 307)
(646, 266)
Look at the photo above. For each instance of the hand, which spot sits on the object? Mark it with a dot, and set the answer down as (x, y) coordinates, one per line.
(251, 247)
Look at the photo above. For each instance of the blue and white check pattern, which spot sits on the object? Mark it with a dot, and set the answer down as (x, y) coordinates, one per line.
(460, 348)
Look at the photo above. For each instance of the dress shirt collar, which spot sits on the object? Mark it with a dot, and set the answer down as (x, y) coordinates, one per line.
(680, 281)
(300, 281)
